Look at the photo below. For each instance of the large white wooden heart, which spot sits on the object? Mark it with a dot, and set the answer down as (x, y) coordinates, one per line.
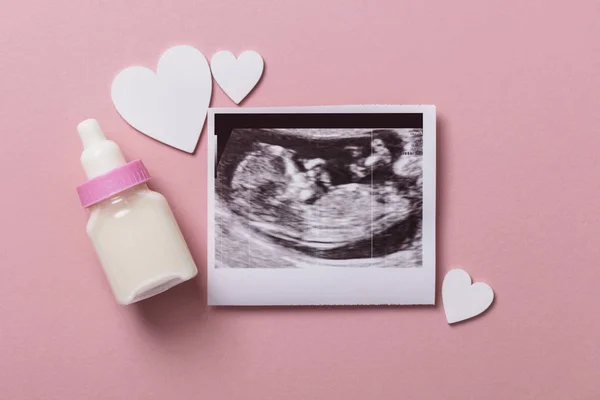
(463, 300)
(171, 104)
(237, 76)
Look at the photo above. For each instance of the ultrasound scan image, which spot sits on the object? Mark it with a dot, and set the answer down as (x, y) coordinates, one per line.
(309, 198)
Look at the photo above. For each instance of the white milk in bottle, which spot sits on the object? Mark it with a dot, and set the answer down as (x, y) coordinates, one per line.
(137, 239)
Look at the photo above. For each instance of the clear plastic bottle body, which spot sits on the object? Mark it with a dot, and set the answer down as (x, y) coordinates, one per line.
(139, 244)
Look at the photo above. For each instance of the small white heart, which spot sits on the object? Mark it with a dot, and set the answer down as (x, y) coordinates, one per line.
(463, 300)
(237, 76)
(171, 105)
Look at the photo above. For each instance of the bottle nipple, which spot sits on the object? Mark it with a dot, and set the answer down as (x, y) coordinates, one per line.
(100, 155)
(90, 133)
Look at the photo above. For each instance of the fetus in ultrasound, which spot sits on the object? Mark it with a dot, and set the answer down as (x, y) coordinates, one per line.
(343, 194)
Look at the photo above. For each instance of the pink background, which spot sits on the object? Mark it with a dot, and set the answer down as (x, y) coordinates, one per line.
(517, 86)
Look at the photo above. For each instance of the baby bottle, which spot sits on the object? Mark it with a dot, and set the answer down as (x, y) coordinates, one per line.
(132, 228)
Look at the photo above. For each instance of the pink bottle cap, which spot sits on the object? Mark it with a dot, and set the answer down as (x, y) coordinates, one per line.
(115, 181)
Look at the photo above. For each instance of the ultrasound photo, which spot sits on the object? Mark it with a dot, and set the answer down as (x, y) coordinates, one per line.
(319, 198)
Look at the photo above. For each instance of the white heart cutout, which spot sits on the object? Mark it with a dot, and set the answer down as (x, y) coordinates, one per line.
(237, 76)
(463, 300)
(171, 104)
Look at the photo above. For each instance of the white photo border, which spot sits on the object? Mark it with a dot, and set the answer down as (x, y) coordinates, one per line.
(331, 285)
